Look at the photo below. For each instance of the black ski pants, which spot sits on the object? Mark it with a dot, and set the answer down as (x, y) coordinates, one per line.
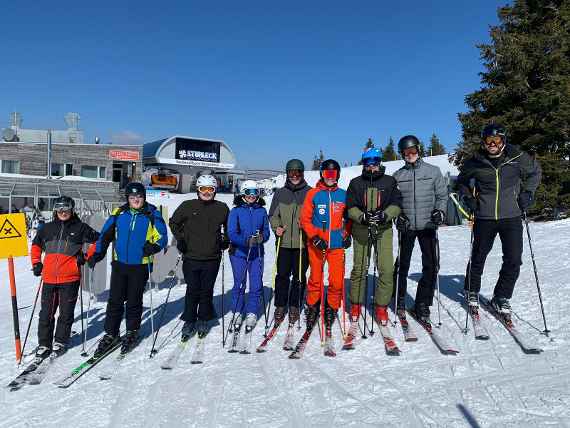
(510, 233)
(63, 296)
(427, 282)
(287, 289)
(127, 285)
(200, 276)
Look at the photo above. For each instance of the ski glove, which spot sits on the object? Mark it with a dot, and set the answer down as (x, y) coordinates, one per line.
(320, 243)
(255, 240)
(347, 242)
(80, 259)
(150, 249)
(94, 259)
(224, 243)
(437, 217)
(374, 217)
(181, 246)
(37, 268)
(525, 200)
(402, 223)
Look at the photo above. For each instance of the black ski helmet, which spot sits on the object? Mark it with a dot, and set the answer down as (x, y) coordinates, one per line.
(63, 203)
(494, 130)
(295, 164)
(330, 164)
(135, 189)
(407, 142)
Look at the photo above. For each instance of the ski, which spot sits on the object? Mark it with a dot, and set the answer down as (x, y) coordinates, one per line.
(389, 342)
(172, 359)
(24, 377)
(526, 346)
(300, 348)
(288, 344)
(478, 327)
(118, 362)
(440, 342)
(268, 337)
(84, 367)
(409, 333)
(198, 355)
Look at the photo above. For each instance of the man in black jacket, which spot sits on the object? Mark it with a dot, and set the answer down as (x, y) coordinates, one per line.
(497, 184)
(197, 226)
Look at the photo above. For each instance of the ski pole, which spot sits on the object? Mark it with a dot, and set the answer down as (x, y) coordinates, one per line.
(90, 292)
(323, 290)
(151, 305)
(398, 261)
(437, 267)
(172, 276)
(525, 218)
(273, 280)
(223, 294)
(262, 285)
(299, 292)
(466, 329)
(364, 287)
(242, 285)
(31, 318)
(374, 279)
(343, 304)
(83, 352)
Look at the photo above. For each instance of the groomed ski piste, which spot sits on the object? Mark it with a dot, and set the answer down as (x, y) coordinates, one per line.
(490, 383)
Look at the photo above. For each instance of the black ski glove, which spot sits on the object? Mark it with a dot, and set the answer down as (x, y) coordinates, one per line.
(80, 259)
(347, 242)
(181, 246)
(94, 259)
(37, 268)
(437, 217)
(402, 223)
(320, 243)
(374, 217)
(525, 200)
(150, 249)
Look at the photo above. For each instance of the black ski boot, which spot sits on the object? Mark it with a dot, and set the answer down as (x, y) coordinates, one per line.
(105, 344)
(293, 315)
(204, 328)
(502, 306)
(330, 315)
(421, 311)
(188, 330)
(130, 341)
(279, 315)
(42, 352)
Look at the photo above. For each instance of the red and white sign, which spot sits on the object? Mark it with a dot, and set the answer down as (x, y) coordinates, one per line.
(124, 155)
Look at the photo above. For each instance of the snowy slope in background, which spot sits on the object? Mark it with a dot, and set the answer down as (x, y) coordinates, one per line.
(490, 383)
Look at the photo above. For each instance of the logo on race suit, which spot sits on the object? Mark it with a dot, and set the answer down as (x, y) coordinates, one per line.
(337, 206)
(322, 209)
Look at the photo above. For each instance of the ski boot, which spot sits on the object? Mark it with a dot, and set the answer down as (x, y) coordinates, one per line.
(381, 313)
(58, 349)
(42, 352)
(503, 308)
(330, 315)
(421, 312)
(472, 300)
(290, 336)
(105, 345)
(278, 315)
(250, 321)
(130, 341)
(188, 330)
(355, 309)
(235, 328)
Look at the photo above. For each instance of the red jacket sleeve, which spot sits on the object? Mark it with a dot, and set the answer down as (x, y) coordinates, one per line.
(36, 254)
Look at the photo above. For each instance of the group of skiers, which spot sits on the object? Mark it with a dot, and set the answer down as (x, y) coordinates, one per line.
(312, 226)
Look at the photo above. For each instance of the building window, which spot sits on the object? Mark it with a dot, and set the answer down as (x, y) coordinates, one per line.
(61, 169)
(102, 172)
(11, 166)
(68, 169)
(89, 171)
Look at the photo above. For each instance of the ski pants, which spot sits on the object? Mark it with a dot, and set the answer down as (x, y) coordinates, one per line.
(335, 260)
(362, 250)
(63, 296)
(510, 233)
(127, 285)
(426, 284)
(240, 267)
(290, 290)
(200, 276)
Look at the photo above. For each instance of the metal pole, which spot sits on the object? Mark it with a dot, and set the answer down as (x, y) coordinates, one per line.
(15, 309)
(49, 154)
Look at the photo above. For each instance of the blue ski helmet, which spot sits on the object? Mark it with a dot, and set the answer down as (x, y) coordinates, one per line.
(371, 156)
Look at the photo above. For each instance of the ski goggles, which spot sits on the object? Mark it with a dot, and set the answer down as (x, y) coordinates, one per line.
(330, 174)
(206, 189)
(62, 208)
(294, 173)
(371, 162)
(410, 151)
(251, 192)
(493, 141)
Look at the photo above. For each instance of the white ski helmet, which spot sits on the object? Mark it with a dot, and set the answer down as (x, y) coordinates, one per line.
(207, 180)
(249, 187)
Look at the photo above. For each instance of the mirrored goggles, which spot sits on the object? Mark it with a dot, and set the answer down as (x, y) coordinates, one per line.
(493, 141)
(62, 208)
(206, 189)
(251, 192)
(371, 162)
(330, 174)
(410, 151)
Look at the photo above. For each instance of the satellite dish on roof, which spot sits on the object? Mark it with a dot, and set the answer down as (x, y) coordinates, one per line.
(8, 134)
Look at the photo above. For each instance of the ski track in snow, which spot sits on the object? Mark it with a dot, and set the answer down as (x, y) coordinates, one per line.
(488, 384)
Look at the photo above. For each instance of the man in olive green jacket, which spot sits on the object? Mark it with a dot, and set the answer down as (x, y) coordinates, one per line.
(292, 254)
(373, 201)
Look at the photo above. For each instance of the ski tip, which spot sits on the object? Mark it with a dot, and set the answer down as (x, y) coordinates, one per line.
(294, 357)
(483, 338)
(533, 351)
(261, 350)
(195, 362)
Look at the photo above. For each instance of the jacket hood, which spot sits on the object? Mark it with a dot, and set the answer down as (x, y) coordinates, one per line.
(321, 185)
(238, 201)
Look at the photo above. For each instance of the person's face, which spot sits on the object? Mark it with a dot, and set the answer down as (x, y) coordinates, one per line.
(372, 167)
(295, 176)
(206, 193)
(330, 177)
(250, 199)
(64, 215)
(411, 155)
(136, 202)
(493, 144)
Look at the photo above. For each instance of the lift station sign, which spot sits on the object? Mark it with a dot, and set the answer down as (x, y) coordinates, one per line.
(193, 151)
(13, 236)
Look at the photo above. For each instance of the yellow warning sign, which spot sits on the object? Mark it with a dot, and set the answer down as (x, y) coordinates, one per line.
(13, 236)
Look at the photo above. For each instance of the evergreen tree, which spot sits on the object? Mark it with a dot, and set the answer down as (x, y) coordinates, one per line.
(526, 88)
(435, 147)
(389, 153)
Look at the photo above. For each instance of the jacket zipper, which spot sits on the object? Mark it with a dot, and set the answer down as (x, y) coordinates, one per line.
(330, 218)
(131, 227)
(60, 237)
(414, 191)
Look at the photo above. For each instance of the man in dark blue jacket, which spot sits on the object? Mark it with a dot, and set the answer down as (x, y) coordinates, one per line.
(137, 231)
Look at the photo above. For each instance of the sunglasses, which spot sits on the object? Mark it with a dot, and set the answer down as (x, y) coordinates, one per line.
(371, 162)
(206, 189)
(251, 192)
(330, 174)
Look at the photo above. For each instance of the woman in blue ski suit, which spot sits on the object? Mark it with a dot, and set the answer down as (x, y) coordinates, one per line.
(248, 230)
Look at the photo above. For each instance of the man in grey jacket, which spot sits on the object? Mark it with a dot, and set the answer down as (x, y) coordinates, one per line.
(424, 199)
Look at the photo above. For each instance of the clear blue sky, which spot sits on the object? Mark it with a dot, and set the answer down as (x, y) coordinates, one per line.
(274, 81)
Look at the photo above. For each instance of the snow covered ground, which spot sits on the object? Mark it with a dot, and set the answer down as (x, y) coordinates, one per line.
(491, 383)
